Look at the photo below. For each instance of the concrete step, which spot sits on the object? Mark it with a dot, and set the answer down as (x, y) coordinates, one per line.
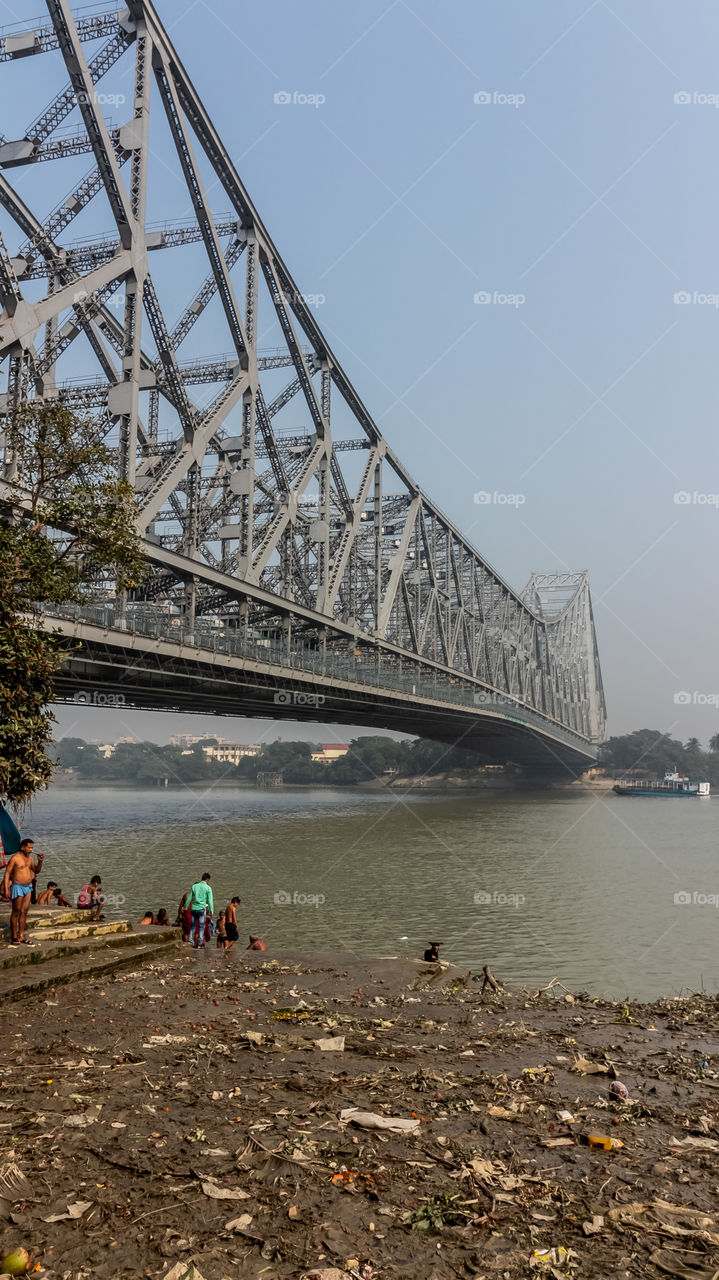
(79, 947)
(66, 932)
(41, 916)
(29, 980)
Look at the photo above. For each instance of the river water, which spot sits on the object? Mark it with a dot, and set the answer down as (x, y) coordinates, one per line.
(577, 886)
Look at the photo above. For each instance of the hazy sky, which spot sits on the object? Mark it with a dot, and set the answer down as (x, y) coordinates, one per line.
(581, 185)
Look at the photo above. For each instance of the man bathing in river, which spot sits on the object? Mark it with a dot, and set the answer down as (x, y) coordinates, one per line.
(232, 933)
(20, 872)
(45, 898)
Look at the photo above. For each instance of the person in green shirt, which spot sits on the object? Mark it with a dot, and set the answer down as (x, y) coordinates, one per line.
(201, 905)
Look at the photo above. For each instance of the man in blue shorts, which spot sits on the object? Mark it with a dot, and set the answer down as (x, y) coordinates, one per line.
(20, 872)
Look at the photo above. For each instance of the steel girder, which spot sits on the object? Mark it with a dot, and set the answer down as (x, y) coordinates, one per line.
(267, 529)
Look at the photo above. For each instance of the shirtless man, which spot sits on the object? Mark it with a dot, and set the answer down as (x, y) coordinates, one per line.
(232, 933)
(20, 872)
(53, 892)
(256, 944)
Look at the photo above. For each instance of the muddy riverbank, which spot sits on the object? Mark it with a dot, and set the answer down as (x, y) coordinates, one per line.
(201, 1111)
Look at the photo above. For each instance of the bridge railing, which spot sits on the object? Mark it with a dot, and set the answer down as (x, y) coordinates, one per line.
(331, 665)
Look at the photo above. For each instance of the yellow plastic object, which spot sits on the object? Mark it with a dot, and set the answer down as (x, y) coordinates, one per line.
(606, 1144)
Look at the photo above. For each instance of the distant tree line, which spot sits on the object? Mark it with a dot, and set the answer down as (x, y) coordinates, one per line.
(368, 758)
(648, 752)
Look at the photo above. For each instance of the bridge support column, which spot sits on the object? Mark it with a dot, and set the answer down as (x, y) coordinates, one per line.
(190, 611)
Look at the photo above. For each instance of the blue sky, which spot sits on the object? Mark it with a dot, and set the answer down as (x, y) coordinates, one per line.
(592, 202)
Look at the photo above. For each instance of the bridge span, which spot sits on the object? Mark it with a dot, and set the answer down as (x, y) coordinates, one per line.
(155, 663)
(291, 556)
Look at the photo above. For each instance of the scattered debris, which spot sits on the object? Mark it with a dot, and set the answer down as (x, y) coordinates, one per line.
(326, 1273)
(223, 1193)
(699, 1144)
(16, 1263)
(427, 1140)
(167, 1039)
(240, 1225)
(75, 1210)
(370, 1120)
(684, 1266)
(558, 1256)
(184, 1271)
(331, 1044)
(601, 1140)
(596, 1224)
(667, 1219)
(585, 1067)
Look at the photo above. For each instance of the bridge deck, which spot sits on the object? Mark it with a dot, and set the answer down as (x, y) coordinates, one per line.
(228, 675)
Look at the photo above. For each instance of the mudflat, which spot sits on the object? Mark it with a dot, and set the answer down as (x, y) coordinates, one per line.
(258, 1116)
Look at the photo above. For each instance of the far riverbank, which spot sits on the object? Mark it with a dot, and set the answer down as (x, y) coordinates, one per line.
(430, 783)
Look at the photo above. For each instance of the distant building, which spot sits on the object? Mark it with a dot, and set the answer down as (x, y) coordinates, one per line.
(187, 740)
(231, 752)
(328, 752)
(106, 749)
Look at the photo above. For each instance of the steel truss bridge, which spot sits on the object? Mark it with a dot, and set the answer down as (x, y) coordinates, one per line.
(294, 566)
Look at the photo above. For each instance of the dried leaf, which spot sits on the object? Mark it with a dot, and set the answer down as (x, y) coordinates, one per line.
(685, 1266)
(168, 1039)
(596, 1225)
(700, 1144)
(184, 1271)
(223, 1193)
(501, 1113)
(585, 1067)
(239, 1224)
(75, 1210)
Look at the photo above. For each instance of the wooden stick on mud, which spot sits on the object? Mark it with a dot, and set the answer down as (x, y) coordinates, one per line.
(489, 980)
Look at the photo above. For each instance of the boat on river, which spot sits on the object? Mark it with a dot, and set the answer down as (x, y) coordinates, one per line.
(672, 784)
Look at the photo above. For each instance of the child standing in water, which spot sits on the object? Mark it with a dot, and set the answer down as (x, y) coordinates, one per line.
(221, 934)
